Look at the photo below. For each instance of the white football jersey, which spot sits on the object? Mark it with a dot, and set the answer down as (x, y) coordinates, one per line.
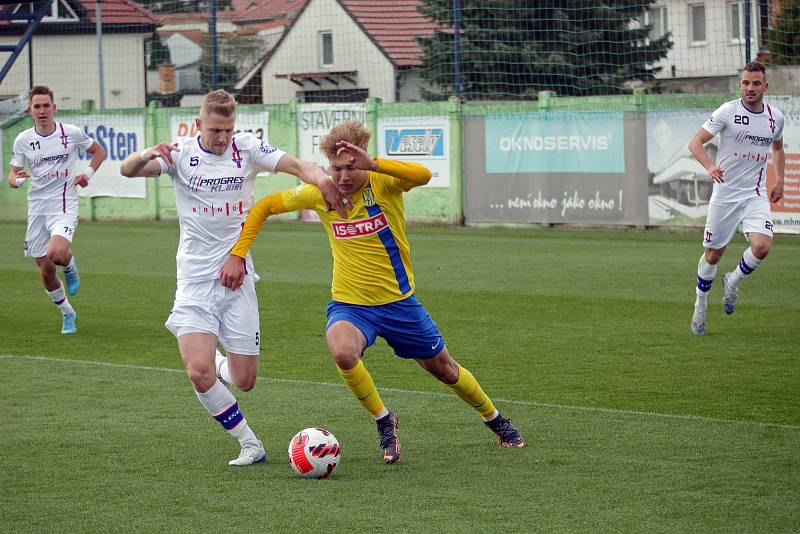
(213, 196)
(745, 141)
(51, 160)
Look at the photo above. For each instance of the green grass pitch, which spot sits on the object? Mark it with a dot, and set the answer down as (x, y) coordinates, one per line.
(581, 337)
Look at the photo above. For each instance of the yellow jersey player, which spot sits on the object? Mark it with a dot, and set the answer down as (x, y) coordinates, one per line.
(373, 281)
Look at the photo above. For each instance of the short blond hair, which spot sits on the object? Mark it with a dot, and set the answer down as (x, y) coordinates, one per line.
(220, 102)
(351, 131)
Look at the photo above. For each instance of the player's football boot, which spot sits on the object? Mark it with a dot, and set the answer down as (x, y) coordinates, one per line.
(390, 445)
(250, 454)
(219, 359)
(699, 322)
(507, 433)
(68, 326)
(73, 280)
(729, 295)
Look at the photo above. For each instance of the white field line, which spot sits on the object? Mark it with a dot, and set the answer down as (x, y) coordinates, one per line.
(612, 411)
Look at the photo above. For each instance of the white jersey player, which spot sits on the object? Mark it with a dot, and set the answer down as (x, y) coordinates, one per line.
(748, 128)
(50, 151)
(214, 175)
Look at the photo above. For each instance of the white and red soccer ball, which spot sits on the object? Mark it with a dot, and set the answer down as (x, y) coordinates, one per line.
(314, 453)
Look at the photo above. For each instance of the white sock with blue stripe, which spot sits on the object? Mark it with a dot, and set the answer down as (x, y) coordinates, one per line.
(222, 405)
(705, 276)
(746, 266)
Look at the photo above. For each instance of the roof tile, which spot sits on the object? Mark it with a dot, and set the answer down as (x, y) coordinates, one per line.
(394, 25)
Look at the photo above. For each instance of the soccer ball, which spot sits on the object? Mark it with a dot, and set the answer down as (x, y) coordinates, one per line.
(314, 453)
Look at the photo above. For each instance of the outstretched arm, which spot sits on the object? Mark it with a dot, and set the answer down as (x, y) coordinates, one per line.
(408, 173)
(311, 173)
(144, 163)
(232, 273)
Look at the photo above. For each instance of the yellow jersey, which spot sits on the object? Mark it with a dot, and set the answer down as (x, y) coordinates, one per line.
(371, 256)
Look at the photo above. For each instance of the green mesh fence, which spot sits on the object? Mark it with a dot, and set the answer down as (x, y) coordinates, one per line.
(275, 51)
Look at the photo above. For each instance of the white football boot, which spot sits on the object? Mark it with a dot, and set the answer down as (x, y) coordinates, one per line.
(250, 454)
(699, 321)
(729, 295)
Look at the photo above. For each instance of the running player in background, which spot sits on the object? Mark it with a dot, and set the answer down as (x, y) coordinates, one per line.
(214, 176)
(50, 149)
(373, 281)
(747, 128)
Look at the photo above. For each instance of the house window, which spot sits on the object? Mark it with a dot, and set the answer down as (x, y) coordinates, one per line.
(735, 22)
(59, 11)
(657, 18)
(697, 23)
(326, 49)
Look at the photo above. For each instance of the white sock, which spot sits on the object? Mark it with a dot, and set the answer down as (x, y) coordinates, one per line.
(222, 405)
(705, 276)
(223, 371)
(381, 415)
(71, 265)
(746, 266)
(59, 298)
(491, 417)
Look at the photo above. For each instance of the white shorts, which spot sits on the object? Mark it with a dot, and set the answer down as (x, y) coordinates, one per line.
(42, 227)
(209, 307)
(723, 217)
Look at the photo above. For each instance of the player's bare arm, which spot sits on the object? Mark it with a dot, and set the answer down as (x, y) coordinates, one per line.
(408, 174)
(16, 175)
(779, 161)
(98, 156)
(697, 148)
(311, 173)
(144, 163)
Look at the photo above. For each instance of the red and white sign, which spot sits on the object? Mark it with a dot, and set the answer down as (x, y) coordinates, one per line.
(360, 228)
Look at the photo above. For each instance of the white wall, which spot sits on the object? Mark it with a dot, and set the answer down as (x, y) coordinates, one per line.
(68, 65)
(719, 55)
(352, 51)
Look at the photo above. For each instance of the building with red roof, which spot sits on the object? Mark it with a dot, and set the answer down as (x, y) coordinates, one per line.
(65, 52)
(347, 50)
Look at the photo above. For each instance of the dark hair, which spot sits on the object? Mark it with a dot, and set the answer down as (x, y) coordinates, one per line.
(755, 66)
(40, 90)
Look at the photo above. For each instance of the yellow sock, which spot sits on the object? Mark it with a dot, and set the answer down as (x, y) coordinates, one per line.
(360, 383)
(470, 392)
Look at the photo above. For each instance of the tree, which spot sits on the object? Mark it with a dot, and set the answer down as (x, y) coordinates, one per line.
(158, 53)
(235, 56)
(512, 49)
(783, 40)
